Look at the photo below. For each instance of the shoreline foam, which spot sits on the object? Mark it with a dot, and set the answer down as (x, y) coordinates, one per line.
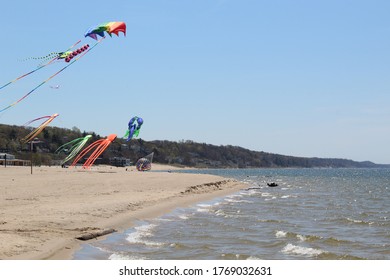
(42, 214)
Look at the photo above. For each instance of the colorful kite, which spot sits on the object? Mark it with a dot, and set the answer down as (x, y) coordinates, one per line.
(113, 27)
(100, 145)
(145, 163)
(39, 129)
(73, 56)
(60, 55)
(51, 77)
(73, 147)
(134, 126)
(53, 56)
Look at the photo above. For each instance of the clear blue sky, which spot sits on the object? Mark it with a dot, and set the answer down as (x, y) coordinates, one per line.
(303, 78)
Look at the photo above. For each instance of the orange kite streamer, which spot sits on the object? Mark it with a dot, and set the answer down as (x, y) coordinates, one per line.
(39, 129)
(100, 145)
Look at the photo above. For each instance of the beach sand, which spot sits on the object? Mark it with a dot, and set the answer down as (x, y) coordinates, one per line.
(42, 214)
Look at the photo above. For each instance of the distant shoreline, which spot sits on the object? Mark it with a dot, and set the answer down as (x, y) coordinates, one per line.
(44, 213)
(185, 153)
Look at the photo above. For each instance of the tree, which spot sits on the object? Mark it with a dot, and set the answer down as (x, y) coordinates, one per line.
(76, 129)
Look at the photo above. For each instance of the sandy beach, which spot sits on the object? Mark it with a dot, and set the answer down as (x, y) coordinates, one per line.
(42, 214)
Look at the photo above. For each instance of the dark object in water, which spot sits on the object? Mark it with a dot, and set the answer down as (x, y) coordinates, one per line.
(253, 188)
(272, 184)
(95, 234)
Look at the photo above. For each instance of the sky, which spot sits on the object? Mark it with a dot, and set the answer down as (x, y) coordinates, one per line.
(300, 78)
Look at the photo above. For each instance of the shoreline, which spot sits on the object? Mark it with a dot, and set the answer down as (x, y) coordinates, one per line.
(42, 214)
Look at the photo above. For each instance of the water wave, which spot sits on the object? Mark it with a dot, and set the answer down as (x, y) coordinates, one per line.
(303, 251)
(232, 256)
(140, 235)
(334, 256)
(124, 256)
(314, 214)
(269, 221)
(280, 234)
(184, 217)
(330, 241)
(348, 220)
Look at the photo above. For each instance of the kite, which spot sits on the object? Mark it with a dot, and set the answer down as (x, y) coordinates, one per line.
(66, 55)
(46, 57)
(38, 130)
(73, 147)
(100, 145)
(69, 55)
(145, 163)
(113, 27)
(53, 56)
(73, 56)
(135, 124)
(51, 77)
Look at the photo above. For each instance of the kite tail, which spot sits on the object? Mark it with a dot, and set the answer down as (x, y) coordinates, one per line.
(38, 130)
(75, 149)
(126, 134)
(86, 150)
(74, 143)
(46, 57)
(37, 119)
(39, 67)
(51, 77)
(61, 148)
(18, 78)
(94, 155)
(91, 160)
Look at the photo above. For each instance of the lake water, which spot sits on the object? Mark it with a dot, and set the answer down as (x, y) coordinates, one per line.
(311, 214)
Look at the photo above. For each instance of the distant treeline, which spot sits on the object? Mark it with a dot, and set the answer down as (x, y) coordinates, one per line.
(183, 153)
